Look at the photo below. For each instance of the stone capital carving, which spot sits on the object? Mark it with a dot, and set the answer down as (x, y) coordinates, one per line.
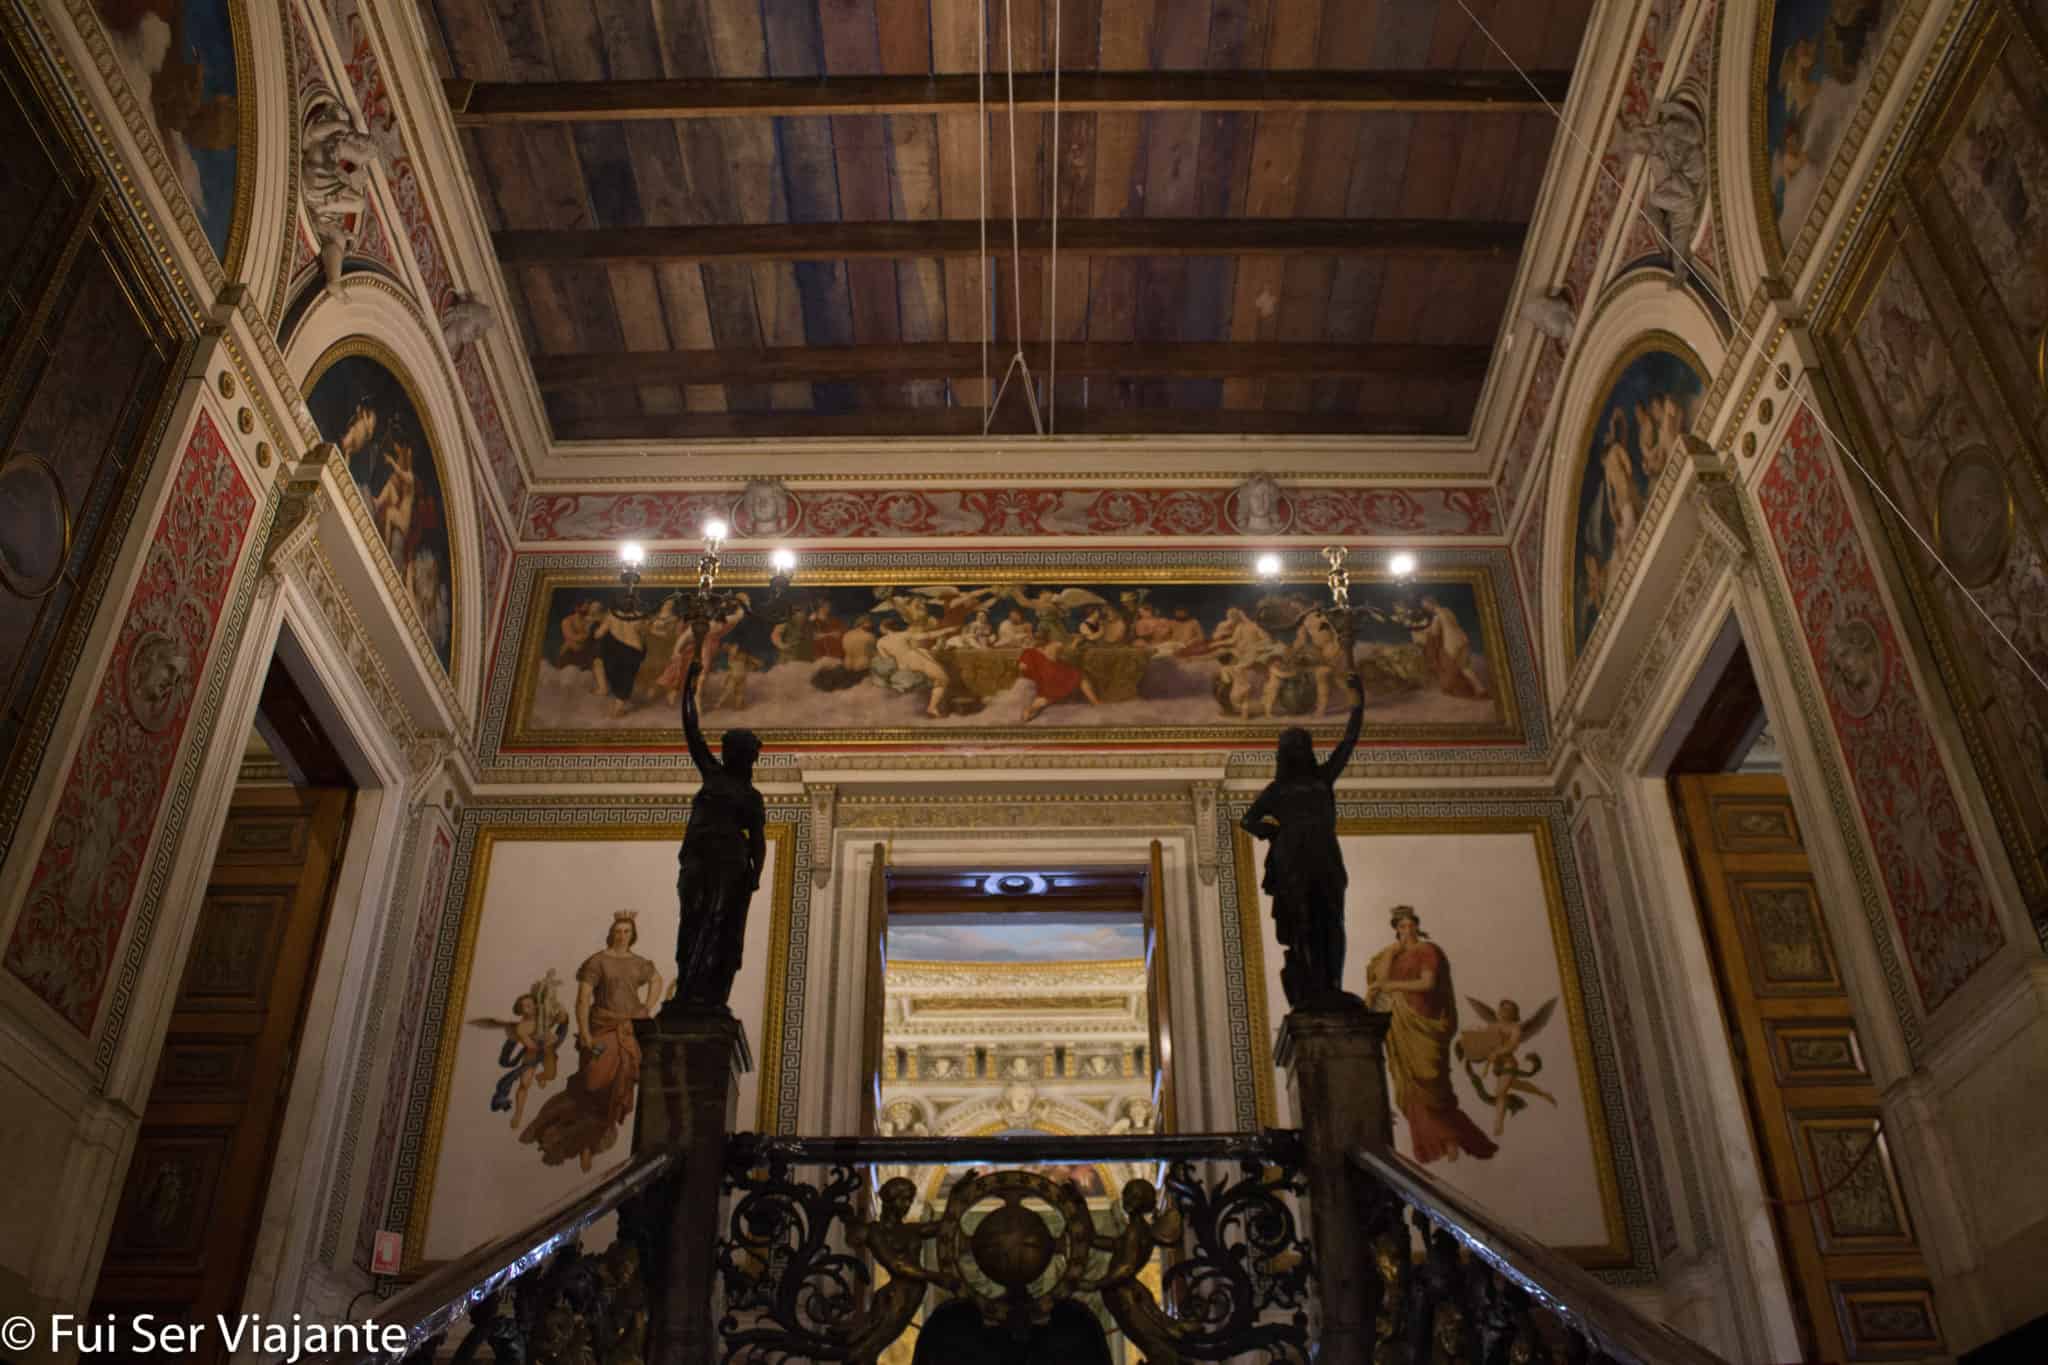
(1719, 499)
(297, 523)
(824, 799)
(1202, 796)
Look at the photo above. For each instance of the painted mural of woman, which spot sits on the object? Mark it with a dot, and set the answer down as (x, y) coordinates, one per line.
(1412, 977)
(614, 987)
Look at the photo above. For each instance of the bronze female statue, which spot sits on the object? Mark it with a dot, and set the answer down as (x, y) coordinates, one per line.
(719, 866)
(1305, 877)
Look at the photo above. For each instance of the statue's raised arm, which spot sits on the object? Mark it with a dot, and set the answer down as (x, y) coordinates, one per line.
(1333, 766)
(693, 731)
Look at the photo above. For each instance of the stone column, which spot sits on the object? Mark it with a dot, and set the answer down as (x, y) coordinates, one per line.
(689, 1060)
(1337, 1084)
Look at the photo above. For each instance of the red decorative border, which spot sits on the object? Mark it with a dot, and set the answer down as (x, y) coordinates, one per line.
(84, 881)
(1529, 570)
(1928, 863)
(867, 514)
(419, 974)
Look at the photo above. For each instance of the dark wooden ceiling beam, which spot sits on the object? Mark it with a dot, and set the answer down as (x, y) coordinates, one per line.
(479, 104)
(962, 237)
(1012, 420)
(964, 360)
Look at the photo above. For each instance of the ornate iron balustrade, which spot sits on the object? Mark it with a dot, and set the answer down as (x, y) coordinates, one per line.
(535, 1296)
(1482, 1293)
(798, 1262)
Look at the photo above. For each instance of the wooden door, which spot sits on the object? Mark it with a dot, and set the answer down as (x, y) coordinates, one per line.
(1860, 1283)
(186, 1224)
(876, 1000)
(1158, 992)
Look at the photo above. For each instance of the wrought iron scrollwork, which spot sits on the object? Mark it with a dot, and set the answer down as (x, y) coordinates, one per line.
(791, 1291)
(1247, 1261)
(1014, 1243)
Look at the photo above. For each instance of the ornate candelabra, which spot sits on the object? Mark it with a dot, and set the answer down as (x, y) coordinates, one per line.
(1343, 615)
(700, 606)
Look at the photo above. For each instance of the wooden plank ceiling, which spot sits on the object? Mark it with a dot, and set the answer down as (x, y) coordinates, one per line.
(763, 217)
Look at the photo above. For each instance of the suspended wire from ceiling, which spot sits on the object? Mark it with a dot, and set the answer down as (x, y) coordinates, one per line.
(1743, 336)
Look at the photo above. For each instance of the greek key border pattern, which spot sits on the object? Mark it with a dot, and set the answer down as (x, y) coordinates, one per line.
(206, 718)
(621, 815)
(1495, 560)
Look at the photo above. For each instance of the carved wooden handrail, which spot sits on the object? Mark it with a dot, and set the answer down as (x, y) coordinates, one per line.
(477, 1285)
(1423, 1302)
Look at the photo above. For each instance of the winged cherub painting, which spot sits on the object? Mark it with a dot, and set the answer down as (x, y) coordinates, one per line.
(532, 1047)
(1492, 1051)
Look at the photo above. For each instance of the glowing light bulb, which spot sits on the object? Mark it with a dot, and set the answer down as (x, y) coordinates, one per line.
(631, 554)
(1268, 566)
(716, 530)
(1402, 564)
(783, 561)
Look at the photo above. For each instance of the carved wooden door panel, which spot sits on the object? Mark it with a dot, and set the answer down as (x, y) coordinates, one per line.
(1843, 1226)
(186, 1224)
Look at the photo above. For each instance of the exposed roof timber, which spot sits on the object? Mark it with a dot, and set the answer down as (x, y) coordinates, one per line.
(965, 359)
(1011, 420)
(477, 104)
(963, 237)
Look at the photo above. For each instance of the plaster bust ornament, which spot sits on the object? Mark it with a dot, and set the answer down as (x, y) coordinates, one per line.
(1258, 509)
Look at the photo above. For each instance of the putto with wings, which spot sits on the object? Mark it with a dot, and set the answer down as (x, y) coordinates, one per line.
(1492, 1051)
(533, 1041)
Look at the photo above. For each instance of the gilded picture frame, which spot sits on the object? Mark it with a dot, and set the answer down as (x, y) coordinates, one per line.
(783, 839)
(1474, 585)
(370, 349)
(1619, 561)
(1600, 1091)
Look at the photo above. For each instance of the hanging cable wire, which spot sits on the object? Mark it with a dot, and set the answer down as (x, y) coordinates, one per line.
(1052, 265)
(1742, 339)
(981, 156)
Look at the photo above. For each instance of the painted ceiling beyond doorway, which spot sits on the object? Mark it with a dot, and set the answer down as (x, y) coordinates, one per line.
(761, 217)
(1015, 937)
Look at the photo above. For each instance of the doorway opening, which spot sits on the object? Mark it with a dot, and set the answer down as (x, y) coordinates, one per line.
(185, 1229)
(1019, 1003)
(1844, 1234)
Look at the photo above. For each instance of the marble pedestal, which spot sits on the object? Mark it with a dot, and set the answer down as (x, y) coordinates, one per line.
(688, 1063)
(1335, 1061)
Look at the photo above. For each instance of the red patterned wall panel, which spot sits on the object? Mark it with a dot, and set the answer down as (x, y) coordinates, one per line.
(1929, 866)
(84, 881)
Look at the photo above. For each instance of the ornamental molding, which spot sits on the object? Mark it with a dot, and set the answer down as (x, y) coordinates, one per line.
(824, 799)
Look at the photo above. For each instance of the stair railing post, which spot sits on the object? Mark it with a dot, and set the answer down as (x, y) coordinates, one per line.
(1335, 1061)
(689, 1061)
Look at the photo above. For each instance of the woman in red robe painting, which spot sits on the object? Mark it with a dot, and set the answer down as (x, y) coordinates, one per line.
(613, 988)
(1052, 675)
(1412, 977)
